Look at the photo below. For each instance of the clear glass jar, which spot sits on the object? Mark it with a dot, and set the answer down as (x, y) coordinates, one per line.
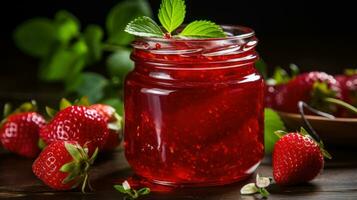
(194, 109)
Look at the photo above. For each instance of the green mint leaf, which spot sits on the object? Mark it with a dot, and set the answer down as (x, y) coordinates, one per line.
(35, 36)
(93, 36)
(67, 26)
(88, 84)
(144, 27)
(172, 14)
(120, 15)
(64, 62)
(272, 123)
(202, 29)
(119, 63)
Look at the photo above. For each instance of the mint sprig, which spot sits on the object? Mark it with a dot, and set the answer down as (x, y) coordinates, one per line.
(172, 15)
(131, 193)
(202, 29)
(144, 27)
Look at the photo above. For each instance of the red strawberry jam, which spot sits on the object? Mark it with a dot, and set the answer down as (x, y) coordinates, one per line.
(194, 109)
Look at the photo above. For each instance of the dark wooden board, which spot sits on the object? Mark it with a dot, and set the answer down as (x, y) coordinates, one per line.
(338, 181)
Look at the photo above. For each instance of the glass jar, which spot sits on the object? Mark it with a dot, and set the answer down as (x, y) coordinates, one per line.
(194, 109)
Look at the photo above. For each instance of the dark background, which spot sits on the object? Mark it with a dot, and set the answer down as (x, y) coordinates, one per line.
(314, 35)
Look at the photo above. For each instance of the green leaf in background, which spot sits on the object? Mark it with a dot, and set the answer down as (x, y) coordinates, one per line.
(115, 103)
(202, 29)
(119, 63)
(89, 84)
(144, 27)
(262, 67)
(172, 14)
(272, 123)
(121, 15)
(64, 63)
(35, 36)
(93, 36)
(68, 26)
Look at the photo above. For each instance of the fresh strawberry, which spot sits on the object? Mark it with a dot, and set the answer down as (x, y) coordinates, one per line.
(277, 82)
(313, 88)
(297, 158)
(114, 124)
(348, 85)
(76, 123)
(271, 92)
(19, 132)
(63, 165)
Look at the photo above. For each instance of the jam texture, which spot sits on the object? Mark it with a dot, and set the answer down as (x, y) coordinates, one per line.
(193, 117)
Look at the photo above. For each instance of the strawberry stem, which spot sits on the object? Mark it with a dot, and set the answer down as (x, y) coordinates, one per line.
(84, 184)
(343, 104)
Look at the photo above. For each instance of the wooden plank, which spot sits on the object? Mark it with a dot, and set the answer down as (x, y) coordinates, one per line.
(337, 181)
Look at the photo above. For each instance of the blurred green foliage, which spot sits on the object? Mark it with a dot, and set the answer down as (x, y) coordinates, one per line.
(68, 53)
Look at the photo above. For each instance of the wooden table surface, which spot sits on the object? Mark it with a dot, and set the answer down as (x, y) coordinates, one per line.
(338, 181)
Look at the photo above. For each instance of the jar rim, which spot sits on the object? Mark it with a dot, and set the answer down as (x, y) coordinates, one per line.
(234, 32)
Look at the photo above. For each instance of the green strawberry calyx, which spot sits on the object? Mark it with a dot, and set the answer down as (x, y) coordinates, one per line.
(321, 145)
(65, 103)
(350, 72)
(78, 169)
(260, 185)
(324, 99)
(30, 106)
(321, 91)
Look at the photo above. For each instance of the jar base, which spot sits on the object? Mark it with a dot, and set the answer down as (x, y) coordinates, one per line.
(198, 184)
